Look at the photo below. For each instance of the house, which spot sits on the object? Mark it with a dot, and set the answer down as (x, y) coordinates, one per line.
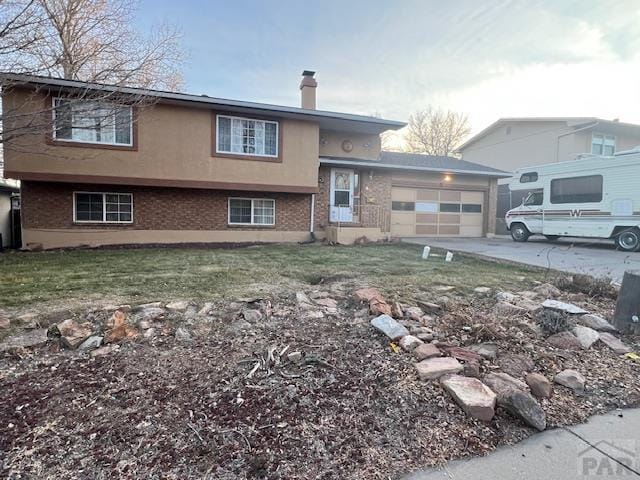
(115, 165)
(8, 194)
(513, 143)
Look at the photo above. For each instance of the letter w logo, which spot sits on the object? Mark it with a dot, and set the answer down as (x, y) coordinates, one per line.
(575, 213)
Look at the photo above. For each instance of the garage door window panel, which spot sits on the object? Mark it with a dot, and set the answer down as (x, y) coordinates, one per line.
(450, 208)
(471, 208)
(403, 206)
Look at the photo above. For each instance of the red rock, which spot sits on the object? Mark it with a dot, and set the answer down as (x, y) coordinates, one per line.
(461, 353)
(473, 396)
(539, 384)
(426, 350)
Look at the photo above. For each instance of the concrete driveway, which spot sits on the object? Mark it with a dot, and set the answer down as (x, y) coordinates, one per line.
(597, 258)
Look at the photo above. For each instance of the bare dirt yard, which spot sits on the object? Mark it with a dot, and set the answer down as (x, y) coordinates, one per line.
(262, 363)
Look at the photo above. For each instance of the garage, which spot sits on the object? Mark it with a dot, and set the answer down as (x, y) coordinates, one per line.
(437, 212)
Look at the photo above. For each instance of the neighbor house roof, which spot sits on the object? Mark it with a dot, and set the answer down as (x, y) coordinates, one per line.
(575, 122)
(326, 119)
(418, 163)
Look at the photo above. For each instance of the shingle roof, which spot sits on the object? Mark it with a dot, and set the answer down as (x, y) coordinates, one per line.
(419, 162)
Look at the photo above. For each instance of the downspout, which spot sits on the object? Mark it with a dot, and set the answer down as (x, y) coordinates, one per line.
(312, 235)
(594, 124)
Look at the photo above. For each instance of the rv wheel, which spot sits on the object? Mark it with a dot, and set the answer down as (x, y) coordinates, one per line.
(629, 240)
(519, 232)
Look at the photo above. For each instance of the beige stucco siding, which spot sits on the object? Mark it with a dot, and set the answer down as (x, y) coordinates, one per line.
(174, 143)
(363, 145)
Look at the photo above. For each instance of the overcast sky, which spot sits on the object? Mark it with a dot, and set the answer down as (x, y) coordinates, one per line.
(488, 59)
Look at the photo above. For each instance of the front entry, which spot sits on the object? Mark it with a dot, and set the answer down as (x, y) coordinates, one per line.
(341, 195)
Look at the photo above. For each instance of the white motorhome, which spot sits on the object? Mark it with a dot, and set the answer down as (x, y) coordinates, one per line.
(593, 196)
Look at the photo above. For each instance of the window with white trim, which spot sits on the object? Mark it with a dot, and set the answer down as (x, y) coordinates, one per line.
(602, 144)
(246, 136)
(252, 211)
(102, 207)
(92, 122)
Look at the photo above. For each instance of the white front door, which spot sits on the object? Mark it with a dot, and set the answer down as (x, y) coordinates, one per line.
(341, 195)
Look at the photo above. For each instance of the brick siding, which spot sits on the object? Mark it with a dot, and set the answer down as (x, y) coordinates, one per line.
(50, 205)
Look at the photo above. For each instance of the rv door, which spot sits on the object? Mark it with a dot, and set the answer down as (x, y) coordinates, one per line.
(532, 207)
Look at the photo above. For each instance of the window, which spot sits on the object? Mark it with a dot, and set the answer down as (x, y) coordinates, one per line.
(244, 136)
(533, 199)
(403, 206)
(450, 207)
(103, 207)
(529, 177)
(92, 122)
(252, 211)
(471, 208)
(602, 144)
(577, 189)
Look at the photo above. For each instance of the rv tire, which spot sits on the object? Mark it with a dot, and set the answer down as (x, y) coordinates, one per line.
(519, 232)
(628, 240)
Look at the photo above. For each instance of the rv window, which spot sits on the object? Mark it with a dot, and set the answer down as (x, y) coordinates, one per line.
(577, 189)
(534, 199)
(529, 177)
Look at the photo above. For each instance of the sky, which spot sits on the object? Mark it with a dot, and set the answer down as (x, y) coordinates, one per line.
(484, 58)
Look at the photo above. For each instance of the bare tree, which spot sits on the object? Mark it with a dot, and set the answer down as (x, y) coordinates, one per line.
(435, 131)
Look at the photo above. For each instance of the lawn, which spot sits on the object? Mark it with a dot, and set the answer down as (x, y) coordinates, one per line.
(65, 278)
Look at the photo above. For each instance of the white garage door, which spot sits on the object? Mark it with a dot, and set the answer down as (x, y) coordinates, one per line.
(441, 213)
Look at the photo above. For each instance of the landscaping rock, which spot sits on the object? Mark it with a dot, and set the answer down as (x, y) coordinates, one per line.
(390, 327)
(460, 353)
(329, 303)
(540, 385)
(149, 333)
(425, 336)
(295, 357)
(183, 335)
(429, 307)
(426, 350)
(252, 316)
(515, 364)
(614, 344)
(207, 309)
(144, 324)
(377, 303)
(547, 290)
(144, 306)
(312, 315)
(414, 313)
(367, 294)
(586, 336)
(106, 350)
(471, 369)
(523, 406)
(488, 351)
(4, 321)
(475, 398)
(239, 326)
(527, 304)
(177, 306)
(508, 309)
(409, 343)
(596, 322)
(152, 314)
(436, 367)
(303, 301)
(482, 290)
(564, 307)
(571, 379)
(564, 340)
(502, 383)
(396, 310)
(119, 330)
(73, 334)
(26, 339)
(90, 343)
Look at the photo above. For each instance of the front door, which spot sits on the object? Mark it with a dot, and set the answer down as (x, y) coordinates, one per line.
(341, 195)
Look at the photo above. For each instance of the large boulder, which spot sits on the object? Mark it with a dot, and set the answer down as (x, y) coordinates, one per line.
(436, 367)
(596, 322)
(539, 384)
(475, 398)
(570, 379)
(586, 336)
(565, 341)
(614, 344)
(522, 405)
(390, 327)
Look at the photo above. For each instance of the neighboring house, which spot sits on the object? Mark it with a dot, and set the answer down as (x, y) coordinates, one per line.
(7, 192)
(192, 168)
(512, 143)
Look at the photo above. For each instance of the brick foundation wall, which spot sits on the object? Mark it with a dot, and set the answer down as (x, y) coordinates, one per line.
(50, 206)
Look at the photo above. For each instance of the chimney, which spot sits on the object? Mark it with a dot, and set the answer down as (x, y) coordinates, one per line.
(308, 90)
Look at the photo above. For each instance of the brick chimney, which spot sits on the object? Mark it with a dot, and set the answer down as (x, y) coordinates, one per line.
(308, 90)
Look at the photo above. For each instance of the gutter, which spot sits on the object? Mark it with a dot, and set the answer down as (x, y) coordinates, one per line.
(329, 161)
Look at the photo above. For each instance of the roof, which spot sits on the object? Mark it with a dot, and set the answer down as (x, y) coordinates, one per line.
(419, 163)
(575, 122)
(326, 119)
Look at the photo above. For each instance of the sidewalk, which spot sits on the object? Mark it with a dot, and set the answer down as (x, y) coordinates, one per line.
(596, 450)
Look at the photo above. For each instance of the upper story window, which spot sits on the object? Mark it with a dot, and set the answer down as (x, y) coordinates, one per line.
(602, 144)
(529, 177)
(246, 136)
(92, 122)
